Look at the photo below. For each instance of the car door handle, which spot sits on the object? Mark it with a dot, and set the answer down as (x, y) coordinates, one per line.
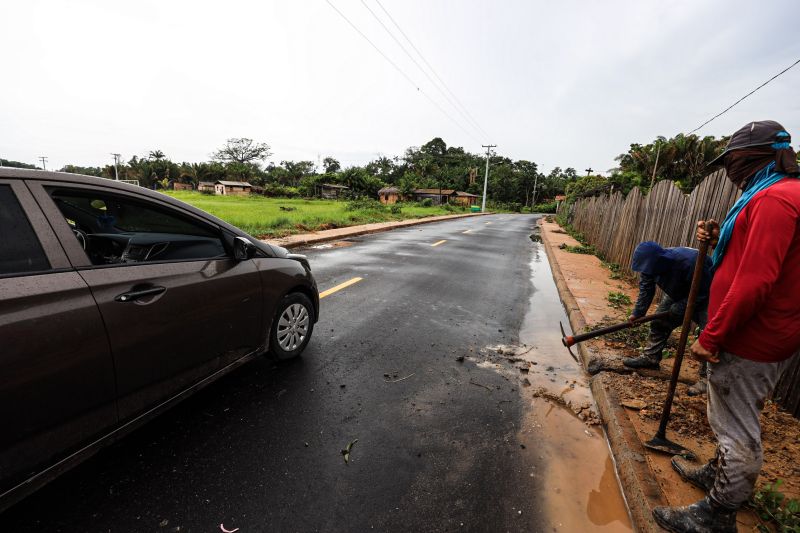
(141, 293)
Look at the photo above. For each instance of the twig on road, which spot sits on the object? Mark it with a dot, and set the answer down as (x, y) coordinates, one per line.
(481, 385)
(396, 380)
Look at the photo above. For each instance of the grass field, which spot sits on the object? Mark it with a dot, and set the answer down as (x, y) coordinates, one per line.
(264, 217)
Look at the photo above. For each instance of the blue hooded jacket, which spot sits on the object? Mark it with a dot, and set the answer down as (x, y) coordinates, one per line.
(671, 269)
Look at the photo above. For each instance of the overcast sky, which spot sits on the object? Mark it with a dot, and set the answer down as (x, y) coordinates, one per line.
(568, 83)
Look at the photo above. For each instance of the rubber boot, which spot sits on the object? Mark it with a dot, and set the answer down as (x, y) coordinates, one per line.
(705, 516)
(701, 477)
(642, 361)
(699, 388)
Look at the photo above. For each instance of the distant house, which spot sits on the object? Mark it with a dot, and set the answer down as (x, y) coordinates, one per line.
(560, 198)
(446, 196)
(389, 195)
(232, 188)
(439, 196)
(330, 190)
(177, 186)
(205, 186)
(464, 198)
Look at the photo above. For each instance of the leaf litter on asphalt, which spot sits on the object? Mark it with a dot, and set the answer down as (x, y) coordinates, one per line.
(346, 451)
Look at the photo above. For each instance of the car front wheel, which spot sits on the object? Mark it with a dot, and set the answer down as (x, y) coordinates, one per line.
(292, 326)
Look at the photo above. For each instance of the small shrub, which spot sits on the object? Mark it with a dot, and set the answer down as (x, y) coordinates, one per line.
(426, 202)
(396, 209)
(544, 208)
(618, 300)
(276, 189)
(580, 249)
(772, 506)
(616, 270)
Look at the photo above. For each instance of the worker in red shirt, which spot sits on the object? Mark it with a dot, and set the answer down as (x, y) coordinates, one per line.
(754, 321)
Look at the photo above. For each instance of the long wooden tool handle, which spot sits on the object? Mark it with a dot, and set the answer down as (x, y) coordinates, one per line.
(571, 340)
(687, 321)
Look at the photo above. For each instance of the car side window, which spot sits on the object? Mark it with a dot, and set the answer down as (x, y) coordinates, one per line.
(116, 229)
(20, 249)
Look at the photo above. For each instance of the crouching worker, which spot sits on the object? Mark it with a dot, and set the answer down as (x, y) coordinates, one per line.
(670, 269)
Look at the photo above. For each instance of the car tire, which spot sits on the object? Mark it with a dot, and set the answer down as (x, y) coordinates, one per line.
(292, 326)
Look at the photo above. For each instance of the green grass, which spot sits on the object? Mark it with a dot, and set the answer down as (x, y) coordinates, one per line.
(263, 217)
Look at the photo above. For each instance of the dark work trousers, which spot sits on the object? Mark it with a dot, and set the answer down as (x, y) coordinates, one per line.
(737, 391)
(660, 330)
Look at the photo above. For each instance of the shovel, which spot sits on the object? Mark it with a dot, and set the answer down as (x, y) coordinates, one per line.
(660, 442)
(571, 340)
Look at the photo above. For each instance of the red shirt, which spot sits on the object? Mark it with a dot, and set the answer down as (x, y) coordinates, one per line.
(754, 305)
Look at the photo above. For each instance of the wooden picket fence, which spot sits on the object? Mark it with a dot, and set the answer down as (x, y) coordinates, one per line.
(614, 225)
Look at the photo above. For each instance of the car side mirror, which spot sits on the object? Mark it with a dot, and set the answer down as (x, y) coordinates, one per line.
(243, 249)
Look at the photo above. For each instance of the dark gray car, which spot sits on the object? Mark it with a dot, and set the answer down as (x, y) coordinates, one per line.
(115, 303)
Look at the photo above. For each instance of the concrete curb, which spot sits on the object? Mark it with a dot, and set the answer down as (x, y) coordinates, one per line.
(639, 485)
(305, 239)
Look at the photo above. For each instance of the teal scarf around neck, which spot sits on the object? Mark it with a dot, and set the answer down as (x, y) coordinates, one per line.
(763, 179)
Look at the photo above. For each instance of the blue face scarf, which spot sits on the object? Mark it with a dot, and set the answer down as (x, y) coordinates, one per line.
(763, 179)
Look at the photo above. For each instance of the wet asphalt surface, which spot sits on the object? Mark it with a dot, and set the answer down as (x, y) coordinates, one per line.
(260, 450)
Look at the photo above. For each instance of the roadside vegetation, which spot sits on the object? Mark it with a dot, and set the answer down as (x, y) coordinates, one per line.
(278, 217)
(774, 508)
(618, 300)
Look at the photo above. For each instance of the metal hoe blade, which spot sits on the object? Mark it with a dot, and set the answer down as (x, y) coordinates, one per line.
(664, 445)
(564, 336)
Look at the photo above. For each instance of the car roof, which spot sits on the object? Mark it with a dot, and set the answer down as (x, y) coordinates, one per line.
(67, 178)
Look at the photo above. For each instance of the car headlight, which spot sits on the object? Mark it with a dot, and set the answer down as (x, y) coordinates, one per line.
(302, 259)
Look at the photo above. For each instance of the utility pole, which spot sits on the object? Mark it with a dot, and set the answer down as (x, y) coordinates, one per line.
(486, 176)
(533, 196)
(589, 170)
(116, 163)
(43, 159)
(653, 178)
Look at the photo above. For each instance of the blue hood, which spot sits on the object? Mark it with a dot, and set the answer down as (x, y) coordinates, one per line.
(650, 258)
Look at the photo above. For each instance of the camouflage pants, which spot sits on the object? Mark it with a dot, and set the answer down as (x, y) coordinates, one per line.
(737, 391)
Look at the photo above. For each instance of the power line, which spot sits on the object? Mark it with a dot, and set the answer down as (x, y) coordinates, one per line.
(411, 57)
(475, 122)
(406, 76)
(743, 97)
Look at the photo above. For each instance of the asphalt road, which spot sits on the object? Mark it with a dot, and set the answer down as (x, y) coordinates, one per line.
(437, 438)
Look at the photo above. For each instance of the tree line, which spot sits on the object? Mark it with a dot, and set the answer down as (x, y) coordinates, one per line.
(432, 165)
(682, 159)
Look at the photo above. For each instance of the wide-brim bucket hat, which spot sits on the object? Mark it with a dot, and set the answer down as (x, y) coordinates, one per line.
(759, 133)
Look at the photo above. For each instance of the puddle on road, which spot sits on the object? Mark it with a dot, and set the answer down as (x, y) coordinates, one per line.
(581, 489)
(335, 244)
(542, 364)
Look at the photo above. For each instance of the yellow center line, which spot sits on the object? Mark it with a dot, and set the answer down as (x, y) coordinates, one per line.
(466, 231)
(339, 287)
(488, 223)
(438, 243)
